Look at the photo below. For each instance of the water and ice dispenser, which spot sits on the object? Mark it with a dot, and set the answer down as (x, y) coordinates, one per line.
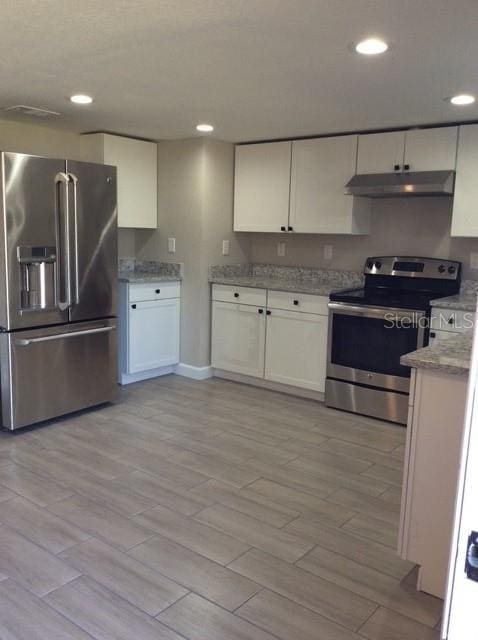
(38, 277)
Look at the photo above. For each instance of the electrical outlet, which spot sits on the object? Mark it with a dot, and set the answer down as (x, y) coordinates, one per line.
(225, 247)
(328, 252)
(281, 249)
(473, 260)
(171, 245)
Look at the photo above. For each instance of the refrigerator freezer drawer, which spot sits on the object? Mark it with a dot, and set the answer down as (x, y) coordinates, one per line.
(52, 371)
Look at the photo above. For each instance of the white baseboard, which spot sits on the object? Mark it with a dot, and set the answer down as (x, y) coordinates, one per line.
(128, 378)
(267, 384)
(196, 373)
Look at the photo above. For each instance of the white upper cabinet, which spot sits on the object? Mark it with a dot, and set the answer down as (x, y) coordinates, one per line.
(262, 187)
(416, 150)
(380, 152)
(137, 175)
(465, 203)
(321, 168)
(431, 149)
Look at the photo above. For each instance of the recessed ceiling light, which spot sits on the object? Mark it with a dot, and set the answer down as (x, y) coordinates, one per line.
(205, 128)
(462, 99)
(81, 98)
(371, 47)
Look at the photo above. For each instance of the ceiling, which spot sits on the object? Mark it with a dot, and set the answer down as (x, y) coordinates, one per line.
(256, 69)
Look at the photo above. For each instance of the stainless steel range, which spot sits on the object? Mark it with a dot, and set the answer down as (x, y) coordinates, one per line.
(370, 328)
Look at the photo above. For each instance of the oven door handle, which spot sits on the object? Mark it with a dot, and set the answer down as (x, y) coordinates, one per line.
(373, 312)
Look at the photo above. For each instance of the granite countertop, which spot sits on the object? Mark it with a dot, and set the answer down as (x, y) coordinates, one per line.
(450, 355)
(144, 271)
(464, 301)
(316, 281)
(315, 287)
(138, 277)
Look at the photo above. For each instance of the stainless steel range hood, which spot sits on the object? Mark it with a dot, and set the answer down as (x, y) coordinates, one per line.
(413, 183)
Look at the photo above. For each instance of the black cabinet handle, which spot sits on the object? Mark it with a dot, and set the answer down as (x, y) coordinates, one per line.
(433, 334)
(406, 167)
(133, 306)
(282, 228)
(451, 321)
(296, 302)
(260, 311)
(158, 291)
(291, 229)
(236, 295)
(268, 312)
(396, 167)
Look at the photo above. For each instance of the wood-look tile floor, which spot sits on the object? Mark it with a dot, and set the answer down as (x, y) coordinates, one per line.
(208, 511)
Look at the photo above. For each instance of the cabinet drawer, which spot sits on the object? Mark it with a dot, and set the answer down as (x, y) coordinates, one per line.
(244, 295)
(304, 302)
(153, 291)
(451, 320)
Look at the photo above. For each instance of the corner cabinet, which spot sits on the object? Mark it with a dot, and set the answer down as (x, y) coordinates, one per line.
(271, 335)
(149, 316)
(464, 221)
(137, 171)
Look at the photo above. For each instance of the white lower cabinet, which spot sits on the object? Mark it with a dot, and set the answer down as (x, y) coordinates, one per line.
(270, 341)
(238, 338)
(149, 321)
(153, 334)
(296, 349)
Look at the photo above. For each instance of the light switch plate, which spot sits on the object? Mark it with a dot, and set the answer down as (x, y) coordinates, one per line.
(328, 252)
(473, 260)
(281, 249)
(171, 245)
(225, 247)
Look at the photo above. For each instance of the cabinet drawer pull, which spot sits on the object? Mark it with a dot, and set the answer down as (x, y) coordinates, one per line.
(396, 167)
(268, 312)
(158, 291)
(133, 306)
(451, 320)
(260, 311)
(291, 229)
(433, 334)
(406, 167)
(282, 228)
(296, 302)
(236, 295)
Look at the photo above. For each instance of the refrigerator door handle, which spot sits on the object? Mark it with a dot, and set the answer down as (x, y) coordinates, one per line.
(61, 336)
(74, 181)
(62, 178)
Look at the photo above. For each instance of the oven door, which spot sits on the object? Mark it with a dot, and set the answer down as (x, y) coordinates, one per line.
(365, 344)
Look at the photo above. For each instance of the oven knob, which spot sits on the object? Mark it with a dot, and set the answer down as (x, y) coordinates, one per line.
(442, 268)
(451, 270)
(369, 264)
(378, 264)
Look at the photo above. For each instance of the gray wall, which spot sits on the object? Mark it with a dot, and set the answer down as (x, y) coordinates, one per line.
(415, 226)
(195, 190)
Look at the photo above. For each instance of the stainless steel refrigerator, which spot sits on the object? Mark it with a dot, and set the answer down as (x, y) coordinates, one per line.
(58, 270)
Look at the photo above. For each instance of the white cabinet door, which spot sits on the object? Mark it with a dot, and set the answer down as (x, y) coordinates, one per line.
(431, 149)
(380, 152)
(296, 349)
(262, 187)
(137, 176)
(465, 202)
(153, 334)
(238, 338)
(320, 170)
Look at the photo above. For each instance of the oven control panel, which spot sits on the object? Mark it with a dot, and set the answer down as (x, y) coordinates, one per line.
(413, 267)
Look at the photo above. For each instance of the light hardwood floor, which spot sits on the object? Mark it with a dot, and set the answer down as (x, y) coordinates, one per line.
(208, 511)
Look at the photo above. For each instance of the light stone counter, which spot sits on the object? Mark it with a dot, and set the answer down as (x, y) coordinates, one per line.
(451, 355)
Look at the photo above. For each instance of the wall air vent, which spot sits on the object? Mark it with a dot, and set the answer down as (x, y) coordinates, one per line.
(31, 112)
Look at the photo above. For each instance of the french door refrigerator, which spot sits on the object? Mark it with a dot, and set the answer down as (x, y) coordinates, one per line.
(58, 270)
